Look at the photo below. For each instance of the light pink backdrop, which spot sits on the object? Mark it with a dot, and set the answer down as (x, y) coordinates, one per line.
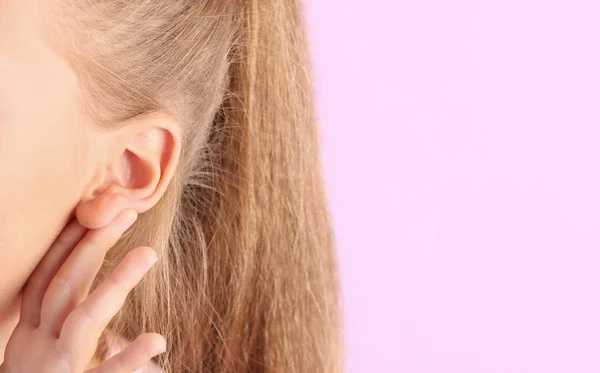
(461, 149)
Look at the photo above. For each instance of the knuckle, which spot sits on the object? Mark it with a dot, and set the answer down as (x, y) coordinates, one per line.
(115, 283)
(67, 284)
(62, 279)
(81, 317)
(63, 360)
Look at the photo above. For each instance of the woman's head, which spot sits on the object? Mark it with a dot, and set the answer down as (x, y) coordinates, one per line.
(198, 114)
(57, 160)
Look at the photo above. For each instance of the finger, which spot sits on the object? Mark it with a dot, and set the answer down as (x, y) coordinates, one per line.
(38, 282)
(133, 357)
(72, 282)
(91, 317)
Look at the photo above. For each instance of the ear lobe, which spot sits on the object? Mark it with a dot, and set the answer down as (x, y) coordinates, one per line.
(145, 155)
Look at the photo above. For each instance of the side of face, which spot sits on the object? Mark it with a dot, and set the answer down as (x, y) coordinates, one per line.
(42, 148)
(55, 166)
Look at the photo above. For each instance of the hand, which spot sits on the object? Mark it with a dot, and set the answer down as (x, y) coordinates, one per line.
(60, 323)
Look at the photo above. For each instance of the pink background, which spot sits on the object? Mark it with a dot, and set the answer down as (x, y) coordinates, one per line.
(461, 155)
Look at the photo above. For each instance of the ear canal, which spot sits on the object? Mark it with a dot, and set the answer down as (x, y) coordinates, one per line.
(136, 172)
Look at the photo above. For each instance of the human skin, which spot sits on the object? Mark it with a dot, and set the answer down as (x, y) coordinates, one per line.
(56, 167)
(60, 324)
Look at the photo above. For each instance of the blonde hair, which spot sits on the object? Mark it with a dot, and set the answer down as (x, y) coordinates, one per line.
(247, 280)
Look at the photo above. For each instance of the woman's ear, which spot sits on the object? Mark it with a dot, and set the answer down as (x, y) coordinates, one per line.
(135, 165)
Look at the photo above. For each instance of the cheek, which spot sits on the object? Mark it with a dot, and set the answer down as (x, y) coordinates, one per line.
(38, 190)
(40, 160)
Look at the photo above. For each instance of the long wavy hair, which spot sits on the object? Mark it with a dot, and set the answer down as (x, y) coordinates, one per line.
(247, 279)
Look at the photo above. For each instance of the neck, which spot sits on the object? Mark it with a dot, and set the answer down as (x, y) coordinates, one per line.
(9, 317)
